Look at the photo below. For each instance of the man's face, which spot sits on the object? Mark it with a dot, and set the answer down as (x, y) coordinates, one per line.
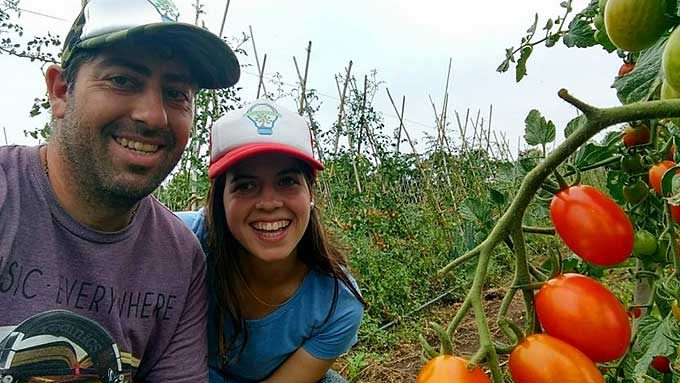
(127, 122)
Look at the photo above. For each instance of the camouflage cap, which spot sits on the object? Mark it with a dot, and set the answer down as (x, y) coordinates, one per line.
(102, 23)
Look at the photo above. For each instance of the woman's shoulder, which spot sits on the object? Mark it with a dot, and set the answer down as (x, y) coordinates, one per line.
(323, 286)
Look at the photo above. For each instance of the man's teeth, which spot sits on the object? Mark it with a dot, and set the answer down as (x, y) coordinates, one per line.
(138, 146)
(271, 226)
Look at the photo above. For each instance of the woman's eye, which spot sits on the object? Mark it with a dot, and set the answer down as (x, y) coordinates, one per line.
(288, 181)
(246, 186)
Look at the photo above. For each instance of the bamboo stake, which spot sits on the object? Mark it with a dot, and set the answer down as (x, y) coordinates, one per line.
(303, 81)
(341, 113)
(224, 18)
(257, 61)
(426, 178)
(261, 84)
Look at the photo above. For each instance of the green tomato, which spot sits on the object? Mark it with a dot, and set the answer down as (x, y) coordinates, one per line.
(632, 164)
(635, 192)
(645, 243)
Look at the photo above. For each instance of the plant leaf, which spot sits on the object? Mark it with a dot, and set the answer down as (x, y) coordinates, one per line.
(574, 124)
(538, 131)
(580, 34)
(641, 82)
(521, 69)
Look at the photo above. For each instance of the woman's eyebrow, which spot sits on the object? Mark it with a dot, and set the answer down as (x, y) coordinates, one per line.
(239, 177)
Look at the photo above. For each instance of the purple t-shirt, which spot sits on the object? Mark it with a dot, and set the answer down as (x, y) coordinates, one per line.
(75, 301)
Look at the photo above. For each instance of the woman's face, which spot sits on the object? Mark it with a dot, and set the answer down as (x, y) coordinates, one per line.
(267, 205)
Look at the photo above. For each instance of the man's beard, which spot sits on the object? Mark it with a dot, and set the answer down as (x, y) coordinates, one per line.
(89, 163)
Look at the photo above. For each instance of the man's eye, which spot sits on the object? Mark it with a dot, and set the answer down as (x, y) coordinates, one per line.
(178, 95)
(121, 81)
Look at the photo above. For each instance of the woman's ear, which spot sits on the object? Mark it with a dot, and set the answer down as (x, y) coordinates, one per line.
(57, 89)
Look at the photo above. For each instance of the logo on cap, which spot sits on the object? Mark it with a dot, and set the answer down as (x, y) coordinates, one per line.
(263, 116)
(166, 9)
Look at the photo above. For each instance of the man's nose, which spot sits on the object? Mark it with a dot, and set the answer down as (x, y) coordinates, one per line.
(149, 109)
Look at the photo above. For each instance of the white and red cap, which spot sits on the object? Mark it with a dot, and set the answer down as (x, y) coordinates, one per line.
(260, 127)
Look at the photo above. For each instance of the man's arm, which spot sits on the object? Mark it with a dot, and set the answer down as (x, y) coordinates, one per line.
(186, 358)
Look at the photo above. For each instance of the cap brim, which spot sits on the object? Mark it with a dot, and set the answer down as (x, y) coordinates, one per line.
(246, 151)
(213, 64)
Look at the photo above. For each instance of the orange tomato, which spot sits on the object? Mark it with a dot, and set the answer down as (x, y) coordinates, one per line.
(450, 369)
(656, 174)
(543, 358)
(635, 135)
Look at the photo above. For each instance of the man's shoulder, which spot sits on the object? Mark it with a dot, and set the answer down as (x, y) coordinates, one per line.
(167, 224)
(14, 153)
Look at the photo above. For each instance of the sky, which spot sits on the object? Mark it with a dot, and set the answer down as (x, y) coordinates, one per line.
(408, 43)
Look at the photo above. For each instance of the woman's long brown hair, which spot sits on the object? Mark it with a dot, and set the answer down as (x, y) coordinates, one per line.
(314, 249)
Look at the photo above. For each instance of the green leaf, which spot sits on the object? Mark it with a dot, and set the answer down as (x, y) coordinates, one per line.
(640, 84)
(654, 338)
(615, 186)
(499, 198)
(474, 210)
(574, 124)
(580, 34)
(538, 131)
(592, 153)
(521, 69)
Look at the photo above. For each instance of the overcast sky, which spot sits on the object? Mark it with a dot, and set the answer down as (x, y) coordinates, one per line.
(408, 43)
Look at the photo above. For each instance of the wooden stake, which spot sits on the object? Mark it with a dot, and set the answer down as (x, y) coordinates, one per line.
(257, 61)
(224, 18)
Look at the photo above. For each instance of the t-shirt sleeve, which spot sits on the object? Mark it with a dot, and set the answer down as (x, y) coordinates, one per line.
(339, 333)
(186, 358)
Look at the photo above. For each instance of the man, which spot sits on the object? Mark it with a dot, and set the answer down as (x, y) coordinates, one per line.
(98, 281)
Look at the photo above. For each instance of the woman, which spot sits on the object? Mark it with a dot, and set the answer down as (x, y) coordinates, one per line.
(283, 305)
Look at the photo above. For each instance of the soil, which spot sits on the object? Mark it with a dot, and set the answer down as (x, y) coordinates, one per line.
(404, 363)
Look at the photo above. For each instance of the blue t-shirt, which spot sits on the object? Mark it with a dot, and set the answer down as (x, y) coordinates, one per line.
(298, 323)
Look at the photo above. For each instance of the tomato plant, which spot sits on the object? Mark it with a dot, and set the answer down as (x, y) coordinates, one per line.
(543, 358)
(656, 174)
(592, 225)
(573, 301)
(450, 369)
(635, 135)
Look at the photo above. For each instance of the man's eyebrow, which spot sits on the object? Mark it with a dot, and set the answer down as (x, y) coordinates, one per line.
(145, 71)
(114, 61)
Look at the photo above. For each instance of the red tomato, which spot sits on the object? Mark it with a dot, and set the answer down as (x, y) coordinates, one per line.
(592, 225)
(675, 213)
(661, 364)
(543, 358)
(626, 68)
(656, 174)
(635, 135)
(635, 312)
(583, 313)
(450, 369)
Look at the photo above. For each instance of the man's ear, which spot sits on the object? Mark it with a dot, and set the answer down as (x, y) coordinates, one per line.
(57, 89)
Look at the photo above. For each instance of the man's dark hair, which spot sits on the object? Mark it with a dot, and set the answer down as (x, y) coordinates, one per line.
(79, 58)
